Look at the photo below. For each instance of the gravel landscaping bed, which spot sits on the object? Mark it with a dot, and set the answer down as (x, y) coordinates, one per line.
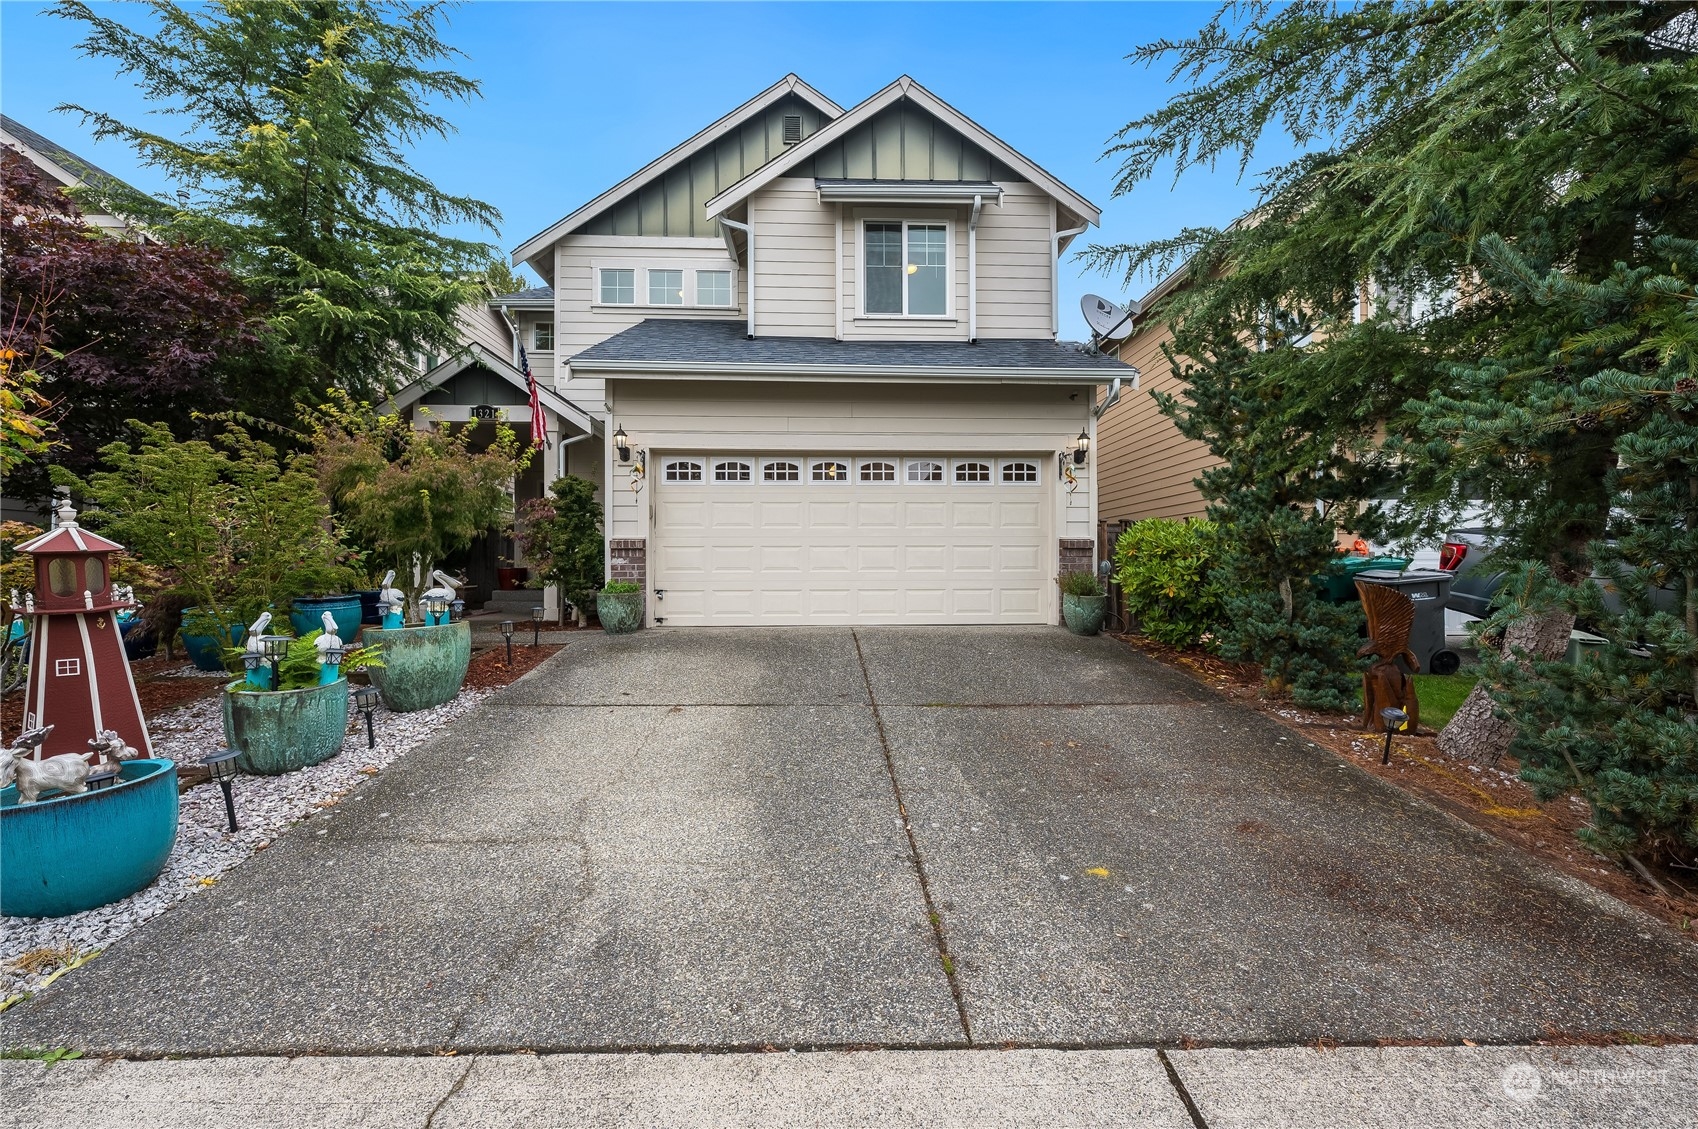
(33, 950)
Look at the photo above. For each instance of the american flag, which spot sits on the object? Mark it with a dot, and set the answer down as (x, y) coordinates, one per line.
(539, 425)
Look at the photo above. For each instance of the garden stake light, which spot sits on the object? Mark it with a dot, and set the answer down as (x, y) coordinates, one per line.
(507, 634)
(102, 779)
(536, 626)
(365, 700)
(222, 766)
(456, 609)
(1394, 719)
(276, 650)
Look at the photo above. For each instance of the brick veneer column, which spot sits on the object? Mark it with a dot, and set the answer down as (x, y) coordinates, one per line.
(1078, 554)
(630, 559)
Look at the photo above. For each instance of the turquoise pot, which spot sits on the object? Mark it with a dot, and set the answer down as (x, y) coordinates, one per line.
(281, 731)
(73, 853)
(619, 612)
(422, 666)
(206, 651)
(1084, 615)
(307, 614)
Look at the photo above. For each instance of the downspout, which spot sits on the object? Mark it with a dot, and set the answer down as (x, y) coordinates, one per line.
(565, 443)
(1055, 276)
(749, 274)
(973, 269)
(513, 329)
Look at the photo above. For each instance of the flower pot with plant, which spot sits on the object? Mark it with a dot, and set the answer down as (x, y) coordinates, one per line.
(301, 717)
(1083, 604)
(619, 606)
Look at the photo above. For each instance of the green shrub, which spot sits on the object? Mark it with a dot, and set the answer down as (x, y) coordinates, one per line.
(622, 587)
(1080, 584)
(1165, 568)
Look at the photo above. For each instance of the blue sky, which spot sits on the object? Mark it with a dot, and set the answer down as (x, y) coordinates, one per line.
(578, 96)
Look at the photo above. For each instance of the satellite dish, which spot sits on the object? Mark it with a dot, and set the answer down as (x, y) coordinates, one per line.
(1107, 320)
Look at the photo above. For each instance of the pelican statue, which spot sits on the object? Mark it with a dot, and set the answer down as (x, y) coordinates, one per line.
(392, 601)
(254, 657)
(330, 649)
(442, 595)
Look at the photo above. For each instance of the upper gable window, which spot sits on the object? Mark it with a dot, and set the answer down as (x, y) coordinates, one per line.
(907, 269)
(666, 288)
(713, 288)
(618, 286)
(542, 336)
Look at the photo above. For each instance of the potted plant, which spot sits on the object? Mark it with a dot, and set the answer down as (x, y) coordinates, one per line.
(299, 720)
(1083, 604)
(510, 577)
(619, 606)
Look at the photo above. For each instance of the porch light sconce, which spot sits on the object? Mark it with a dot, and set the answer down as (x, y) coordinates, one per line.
(536, 626)
(222, 766)
(365, 700)
(1395, 719)
(622, 444)
(1082, 446)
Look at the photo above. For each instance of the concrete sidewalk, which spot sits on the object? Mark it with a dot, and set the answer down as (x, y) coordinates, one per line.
(1299, 1088)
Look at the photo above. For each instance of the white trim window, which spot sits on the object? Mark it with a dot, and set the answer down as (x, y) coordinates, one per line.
(731, 470)
(666, 287)
(542, 337)
(781, 470)
(973, 472)
(713, 288)
(878, 470)
(905, 266)
(828, 470)
(922, 471)
(618, 286)
(1019, 472)
(67, 668)
(682, 470)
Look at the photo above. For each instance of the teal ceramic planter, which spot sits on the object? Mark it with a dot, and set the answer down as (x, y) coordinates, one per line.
(619, 612)
(73, 853)
(307, 614)
(422, 666)
(207, 651)
(281, 731)
(1084, 615)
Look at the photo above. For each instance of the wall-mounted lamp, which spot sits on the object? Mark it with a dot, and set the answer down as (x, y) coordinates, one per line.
(622, 444)
(1082, 446)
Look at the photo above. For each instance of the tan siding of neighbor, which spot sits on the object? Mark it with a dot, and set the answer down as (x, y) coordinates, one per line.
(1145, 467)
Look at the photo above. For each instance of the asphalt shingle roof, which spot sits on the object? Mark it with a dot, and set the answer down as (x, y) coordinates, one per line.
(534, 294)
(662, 340)
(55, 152)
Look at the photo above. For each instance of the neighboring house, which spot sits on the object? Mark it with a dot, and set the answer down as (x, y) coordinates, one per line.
(65, 167)
(818, 349)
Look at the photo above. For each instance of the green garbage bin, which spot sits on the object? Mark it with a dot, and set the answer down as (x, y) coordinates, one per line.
(1340, 587)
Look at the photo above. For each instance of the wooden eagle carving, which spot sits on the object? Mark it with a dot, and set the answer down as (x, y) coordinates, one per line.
(1391, 618)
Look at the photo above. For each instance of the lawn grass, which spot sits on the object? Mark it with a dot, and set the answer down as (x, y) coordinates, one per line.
(1441, 695)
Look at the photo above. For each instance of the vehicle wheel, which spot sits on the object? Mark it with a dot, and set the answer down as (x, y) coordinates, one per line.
(1444, 662)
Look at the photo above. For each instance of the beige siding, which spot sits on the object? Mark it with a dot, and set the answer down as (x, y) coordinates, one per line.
(579, 321)
(1145, 466)
(479, 323)
(1016, 267)
(795, 269)
(856, 326)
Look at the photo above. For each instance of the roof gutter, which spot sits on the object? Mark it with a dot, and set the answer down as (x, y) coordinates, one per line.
(906, 192)
(748, 231)
(686, 370)
(513, 330)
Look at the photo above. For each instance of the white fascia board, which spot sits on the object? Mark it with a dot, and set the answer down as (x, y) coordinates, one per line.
(527, 304)
(909, 192)
(906, 87)
(875, 374)
(789, 84)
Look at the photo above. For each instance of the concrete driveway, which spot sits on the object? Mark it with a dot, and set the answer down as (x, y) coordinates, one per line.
(895, 837)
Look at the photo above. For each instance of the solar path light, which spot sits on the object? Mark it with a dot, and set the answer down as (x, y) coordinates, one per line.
(365, 700)
(222, 766)
(1395, 719)
(536, 626)
(507, 634)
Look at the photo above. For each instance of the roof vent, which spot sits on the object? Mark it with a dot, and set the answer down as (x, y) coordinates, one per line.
(792, 128)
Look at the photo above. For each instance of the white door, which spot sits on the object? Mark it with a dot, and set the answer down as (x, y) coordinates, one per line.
(811, 539)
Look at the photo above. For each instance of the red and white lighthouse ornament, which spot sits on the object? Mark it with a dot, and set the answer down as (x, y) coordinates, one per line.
(79, 677)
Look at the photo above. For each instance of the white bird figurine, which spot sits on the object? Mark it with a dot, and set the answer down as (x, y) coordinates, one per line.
(256, 631)
(329, 639)
(445, 586)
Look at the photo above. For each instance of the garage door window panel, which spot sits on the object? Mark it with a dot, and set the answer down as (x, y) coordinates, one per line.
(1019, 472)
(731, 470)
(972, 472)
(682, 470)
(922, 471)
(829, 471)
(878, 470)
(781, 470)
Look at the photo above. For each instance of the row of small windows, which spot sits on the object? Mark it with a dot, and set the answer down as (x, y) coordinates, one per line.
(918, 471)
(665, 287)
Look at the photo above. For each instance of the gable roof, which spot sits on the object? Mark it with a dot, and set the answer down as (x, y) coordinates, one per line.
(538, 297)
(475, 353)
(790, 84)
(904, 87)
(82, 170)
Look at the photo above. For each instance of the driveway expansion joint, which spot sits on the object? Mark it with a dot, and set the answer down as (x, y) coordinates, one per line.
(1178, 1084)
(932, 914)
(459, 1083)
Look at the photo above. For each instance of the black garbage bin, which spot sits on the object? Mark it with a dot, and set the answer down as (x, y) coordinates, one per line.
(1429, 589)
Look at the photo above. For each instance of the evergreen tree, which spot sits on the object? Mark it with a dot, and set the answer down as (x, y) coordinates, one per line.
(298, 116)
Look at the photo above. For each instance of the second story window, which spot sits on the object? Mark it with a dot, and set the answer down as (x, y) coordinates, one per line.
(542, 337)
(713, 288)
(666, 288)
(618, 287)
(907, 269)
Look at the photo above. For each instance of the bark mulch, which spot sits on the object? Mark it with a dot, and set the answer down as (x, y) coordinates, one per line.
(489, 668)
(1491, 797)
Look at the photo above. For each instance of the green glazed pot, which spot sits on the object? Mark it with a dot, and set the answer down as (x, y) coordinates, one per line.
(281, 731)
(422, 666)
(619, 612)
(1084, 615)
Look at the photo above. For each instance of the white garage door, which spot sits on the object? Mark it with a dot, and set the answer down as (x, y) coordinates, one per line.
(798, 539)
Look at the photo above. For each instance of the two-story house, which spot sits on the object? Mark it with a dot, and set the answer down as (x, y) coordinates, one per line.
(820, 350)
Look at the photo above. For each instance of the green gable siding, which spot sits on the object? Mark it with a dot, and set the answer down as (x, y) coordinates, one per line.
(671, 204)
(904, 142)
(473, 386)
